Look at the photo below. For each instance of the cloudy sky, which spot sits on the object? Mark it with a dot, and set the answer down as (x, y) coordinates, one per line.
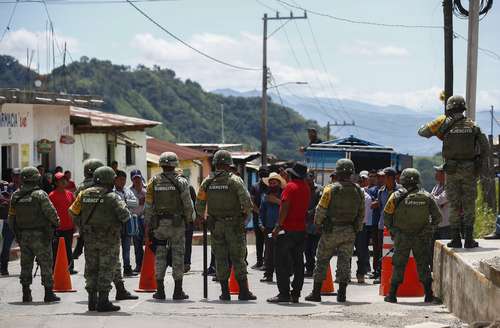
(381, 65)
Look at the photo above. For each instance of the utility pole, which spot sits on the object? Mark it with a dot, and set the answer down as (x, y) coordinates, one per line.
(328, 131)
(265, 77)
(448, 49)
(222, 122)
(492, 114)
(472, 48)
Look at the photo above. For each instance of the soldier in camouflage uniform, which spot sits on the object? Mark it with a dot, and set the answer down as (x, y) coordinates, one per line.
(340, 215)
(89, 167)
(406, 216)
(100, 213)
(33, 220)
(168, 209)
(465, 151)
(228, 204)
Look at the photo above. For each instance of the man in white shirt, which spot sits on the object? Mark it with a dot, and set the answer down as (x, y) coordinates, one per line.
(363, 236)
(439, 195)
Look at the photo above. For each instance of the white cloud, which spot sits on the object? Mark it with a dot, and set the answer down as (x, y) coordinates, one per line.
(244, 50)
(17, 42)
(373, 49)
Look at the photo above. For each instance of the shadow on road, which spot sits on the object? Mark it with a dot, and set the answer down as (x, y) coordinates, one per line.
(38, 303)
(169, 301)
(103, 314)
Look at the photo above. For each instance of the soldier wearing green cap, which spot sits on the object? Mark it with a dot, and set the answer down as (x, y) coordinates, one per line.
(33, 220)
(228, 203)
(100, 213)
(340, 215)
(406, 216)
(465, 152)
(168, 209)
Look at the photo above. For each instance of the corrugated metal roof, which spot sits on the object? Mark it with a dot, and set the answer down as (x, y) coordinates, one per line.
(156, 147)
(100, 119)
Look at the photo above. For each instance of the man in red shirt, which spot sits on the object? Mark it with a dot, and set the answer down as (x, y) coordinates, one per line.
(290, 235)
(62, 199)
(70, 185)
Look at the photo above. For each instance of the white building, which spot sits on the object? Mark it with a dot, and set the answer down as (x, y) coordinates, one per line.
(64, 135)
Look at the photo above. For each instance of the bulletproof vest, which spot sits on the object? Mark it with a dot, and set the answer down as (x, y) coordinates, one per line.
(104, 214)
(222, 198)
(412, 213)
(459, 142)
(28, 209)
(345, 202)
(167, 194)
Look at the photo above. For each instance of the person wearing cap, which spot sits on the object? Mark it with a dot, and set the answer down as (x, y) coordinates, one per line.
(362, 237)
(313, 234)
(7, 233)
(62, 199)
(137, 188)
(268, 217)
(389, 187)
(256, 191)
(290, 235)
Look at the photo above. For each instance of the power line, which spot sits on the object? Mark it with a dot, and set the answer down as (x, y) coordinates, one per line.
(7, 28)
(219, 61)
(487, 52)
(355, 21)
(83, 2)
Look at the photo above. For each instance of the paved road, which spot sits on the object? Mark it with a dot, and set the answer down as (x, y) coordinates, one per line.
(363, 309)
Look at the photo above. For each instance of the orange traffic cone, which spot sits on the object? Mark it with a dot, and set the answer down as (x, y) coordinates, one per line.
(327, 288)
(147, 281)
(62, 279)
(234, 288)
(411, 286)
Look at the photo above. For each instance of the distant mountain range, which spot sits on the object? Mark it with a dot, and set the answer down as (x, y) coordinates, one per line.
(392, 125)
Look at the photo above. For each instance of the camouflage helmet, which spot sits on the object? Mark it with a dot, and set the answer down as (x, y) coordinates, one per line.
(90, 165)
(222, 157)
(455, 104)
(410, 177)
(344, 166)
(104, 176)
(30, 174)
(169, 159)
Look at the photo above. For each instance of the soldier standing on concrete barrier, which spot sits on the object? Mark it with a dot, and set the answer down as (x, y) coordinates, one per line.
(167, 211)
(407, 218)
(228, 204)
(340, 215)
(465, 149)
(33, 220)
(99, 212)
(89, 167)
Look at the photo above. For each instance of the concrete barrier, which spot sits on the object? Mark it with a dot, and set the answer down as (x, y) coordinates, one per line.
(467, 293)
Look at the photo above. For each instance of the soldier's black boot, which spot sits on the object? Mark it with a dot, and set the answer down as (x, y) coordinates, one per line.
(429, 295)
(50, 296)
(245, 293)
(27, 294)
(469, 240)
(92, 300)
(391, 298)
(456, 240)
(224, 286)
(341, 294)
(178, 292)
(315, 295)
(104, 305)
(160, 290)
(122, 293)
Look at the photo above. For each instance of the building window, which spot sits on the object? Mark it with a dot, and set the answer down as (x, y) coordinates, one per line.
(129, 154)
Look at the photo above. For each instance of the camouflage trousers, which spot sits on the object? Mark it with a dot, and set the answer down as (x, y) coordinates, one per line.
(170, 236)
(102, 250)
(341, 239)
(35, 244)
(461, 190)
(420, 245)
(228, 238)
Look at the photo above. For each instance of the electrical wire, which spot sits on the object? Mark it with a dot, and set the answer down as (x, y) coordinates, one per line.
(82, 2)
(219, 61)
(9, 22)
(354, 21)
(487, 52)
